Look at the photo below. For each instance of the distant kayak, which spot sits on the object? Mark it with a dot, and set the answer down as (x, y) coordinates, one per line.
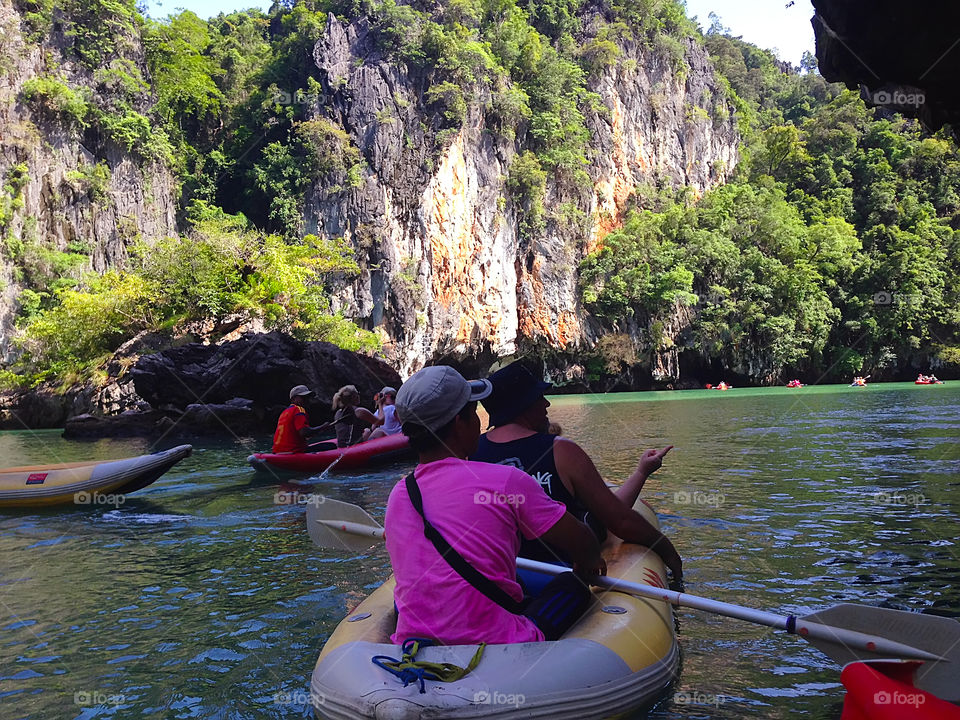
(85, 483)
(928, 382)
(383, 449)
(795, 384)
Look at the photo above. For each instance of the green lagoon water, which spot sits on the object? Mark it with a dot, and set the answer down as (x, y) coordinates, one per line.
(202, 596)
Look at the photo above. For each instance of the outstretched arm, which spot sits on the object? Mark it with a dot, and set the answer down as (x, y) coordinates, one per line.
(578, 471)
(368, 416)
(650, 462)
(306, 431)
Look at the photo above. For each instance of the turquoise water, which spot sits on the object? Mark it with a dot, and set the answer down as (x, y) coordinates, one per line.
(202, 597)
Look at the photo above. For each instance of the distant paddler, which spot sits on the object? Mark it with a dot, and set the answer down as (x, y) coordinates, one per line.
(293, 426)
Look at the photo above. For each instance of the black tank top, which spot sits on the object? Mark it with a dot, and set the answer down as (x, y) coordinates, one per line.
(348, 426)
(534, 455)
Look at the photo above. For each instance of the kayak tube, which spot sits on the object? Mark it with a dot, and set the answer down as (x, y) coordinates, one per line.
(361, 455)
(83, 483)
(883, 690)
(620, 656)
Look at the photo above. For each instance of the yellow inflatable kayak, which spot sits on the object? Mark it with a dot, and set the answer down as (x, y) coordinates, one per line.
(84, 483)
(620, 656)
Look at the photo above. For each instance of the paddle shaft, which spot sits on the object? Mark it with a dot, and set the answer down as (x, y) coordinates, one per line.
(790, 623)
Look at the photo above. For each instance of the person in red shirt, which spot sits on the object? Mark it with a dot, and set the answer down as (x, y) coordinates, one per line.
(293, 427)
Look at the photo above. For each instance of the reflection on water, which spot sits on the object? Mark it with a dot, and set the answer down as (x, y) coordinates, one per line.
(202, 596)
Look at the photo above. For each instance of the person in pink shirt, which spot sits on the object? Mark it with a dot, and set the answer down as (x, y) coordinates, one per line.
(480, 510)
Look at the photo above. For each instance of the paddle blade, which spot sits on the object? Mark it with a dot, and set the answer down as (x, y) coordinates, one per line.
(323, 516)
(930, 633)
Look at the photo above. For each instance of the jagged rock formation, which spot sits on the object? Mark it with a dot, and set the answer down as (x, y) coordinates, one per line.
(446, 272)
(53, 195)
(900, 56)
(236, 387)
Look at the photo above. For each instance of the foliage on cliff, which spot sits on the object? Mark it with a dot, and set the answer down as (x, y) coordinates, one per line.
(165, 92)
(834, 250)
(223, 270)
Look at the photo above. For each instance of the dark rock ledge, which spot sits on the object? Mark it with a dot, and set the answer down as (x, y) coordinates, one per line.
(234, 388)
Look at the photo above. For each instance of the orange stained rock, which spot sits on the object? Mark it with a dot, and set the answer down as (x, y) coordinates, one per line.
(612, 191)
(457, 280)
(537, 320)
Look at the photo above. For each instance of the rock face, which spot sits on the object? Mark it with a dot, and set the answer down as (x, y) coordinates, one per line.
(899, 56)
(60, 191)
(235, 388)
(260, 369)
(446, 271)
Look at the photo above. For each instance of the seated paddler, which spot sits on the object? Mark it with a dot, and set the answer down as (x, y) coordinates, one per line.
(293, 426)
(453, 529)
(520, 438)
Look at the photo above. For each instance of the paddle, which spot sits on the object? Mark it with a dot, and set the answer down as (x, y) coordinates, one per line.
(321, 445)
(845, 632)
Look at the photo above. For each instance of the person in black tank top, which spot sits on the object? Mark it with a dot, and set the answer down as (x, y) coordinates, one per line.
(534, 455)
(518, 414)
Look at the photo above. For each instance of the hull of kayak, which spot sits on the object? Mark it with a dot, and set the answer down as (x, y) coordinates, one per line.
(918, 382)
(385, 449)
(881, 690)
(84, 483)
(620, 656)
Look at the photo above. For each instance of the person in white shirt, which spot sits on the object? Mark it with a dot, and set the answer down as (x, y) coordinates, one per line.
(387, 411)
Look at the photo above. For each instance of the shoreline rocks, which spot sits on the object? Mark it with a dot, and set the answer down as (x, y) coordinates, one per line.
(238, 387)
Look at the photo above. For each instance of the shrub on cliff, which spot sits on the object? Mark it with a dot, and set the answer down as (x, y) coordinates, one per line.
(223, 269)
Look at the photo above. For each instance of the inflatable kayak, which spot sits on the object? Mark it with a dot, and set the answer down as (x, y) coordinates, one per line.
(928, 382)
(620, 656)
(882, 690)
(84, 483)
(383, 449)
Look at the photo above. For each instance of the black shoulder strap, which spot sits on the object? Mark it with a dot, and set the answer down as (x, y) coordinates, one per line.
(478, 580)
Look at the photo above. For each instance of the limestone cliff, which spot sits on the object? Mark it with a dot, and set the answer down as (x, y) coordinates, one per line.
(64, 189)
(447, 271)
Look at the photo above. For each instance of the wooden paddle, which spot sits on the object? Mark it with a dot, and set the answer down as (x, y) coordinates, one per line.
(844, 632)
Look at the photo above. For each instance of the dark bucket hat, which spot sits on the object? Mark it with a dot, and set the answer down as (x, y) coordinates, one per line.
(515, 389)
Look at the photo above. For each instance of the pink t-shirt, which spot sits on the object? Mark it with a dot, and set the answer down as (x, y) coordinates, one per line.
(480, 509)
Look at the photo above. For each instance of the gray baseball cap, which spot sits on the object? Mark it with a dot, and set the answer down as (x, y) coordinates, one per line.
(300, 391)
(433, 396)
(387, 390)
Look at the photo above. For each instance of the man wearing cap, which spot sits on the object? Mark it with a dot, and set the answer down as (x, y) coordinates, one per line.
(520, 437)
(451, 516)
(293, 427)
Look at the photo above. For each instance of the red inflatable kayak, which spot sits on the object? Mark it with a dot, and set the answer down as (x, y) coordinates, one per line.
(889, 695)
(384, 449)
